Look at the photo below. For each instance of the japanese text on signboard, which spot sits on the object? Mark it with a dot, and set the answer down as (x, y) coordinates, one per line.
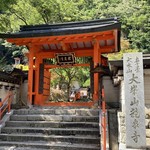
(134, 100)
(65, 58)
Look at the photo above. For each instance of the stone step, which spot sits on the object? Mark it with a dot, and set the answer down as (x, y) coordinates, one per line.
(39, 124)
(49, 146)
(7, 147)
(52, 131)
(49, 138)
(52, 128)
(54, 118)
(80, 112)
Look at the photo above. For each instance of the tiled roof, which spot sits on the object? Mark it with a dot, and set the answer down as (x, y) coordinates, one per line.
(65, 28)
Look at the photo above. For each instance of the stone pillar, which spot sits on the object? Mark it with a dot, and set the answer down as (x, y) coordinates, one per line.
(113, 129)
(121, 120)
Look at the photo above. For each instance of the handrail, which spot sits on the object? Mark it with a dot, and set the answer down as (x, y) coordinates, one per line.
(6, 104)
(103, 118)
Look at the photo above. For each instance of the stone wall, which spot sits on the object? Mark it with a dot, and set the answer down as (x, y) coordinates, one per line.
(16, 82)
(147, 122)
(113, 129)
(5, 87)
(121, 131)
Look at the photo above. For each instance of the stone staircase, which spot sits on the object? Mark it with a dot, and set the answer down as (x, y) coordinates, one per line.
(51, 128)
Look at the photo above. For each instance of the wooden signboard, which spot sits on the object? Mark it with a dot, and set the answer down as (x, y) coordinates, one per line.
(65, 58)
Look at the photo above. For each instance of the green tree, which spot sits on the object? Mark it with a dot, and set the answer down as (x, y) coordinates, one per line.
(5, 55)
(16, 13)
(65, 76)
(134, 15)
(8, 52)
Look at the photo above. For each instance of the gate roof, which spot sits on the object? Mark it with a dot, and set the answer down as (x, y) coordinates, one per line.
(70, 36)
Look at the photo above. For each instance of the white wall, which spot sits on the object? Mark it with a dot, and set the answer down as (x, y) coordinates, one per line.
(24, 91)
(147, 86)
(111, 92)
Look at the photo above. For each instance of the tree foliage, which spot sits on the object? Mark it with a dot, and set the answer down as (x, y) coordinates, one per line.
(133, 14)
(65, 76)
(8, 52)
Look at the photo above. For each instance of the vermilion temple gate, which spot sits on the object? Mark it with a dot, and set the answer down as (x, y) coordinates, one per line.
(84, 39)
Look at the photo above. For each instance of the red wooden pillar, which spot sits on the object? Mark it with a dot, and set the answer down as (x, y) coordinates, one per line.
(49, 81)
(30, 75)
(46, 85)
(38, 97)
(97, 60)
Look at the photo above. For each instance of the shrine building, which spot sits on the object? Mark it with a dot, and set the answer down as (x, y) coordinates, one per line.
(65, 42)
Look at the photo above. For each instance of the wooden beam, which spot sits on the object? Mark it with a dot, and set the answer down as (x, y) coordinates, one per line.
(65, 66)
(89, 38)
(85, 104)
(78, 53)
(107, 49)
(64, 38)
(83, 53)
(65, 46)
(46, 55)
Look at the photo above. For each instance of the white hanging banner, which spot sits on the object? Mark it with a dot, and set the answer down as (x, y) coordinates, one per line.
(134, 100)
